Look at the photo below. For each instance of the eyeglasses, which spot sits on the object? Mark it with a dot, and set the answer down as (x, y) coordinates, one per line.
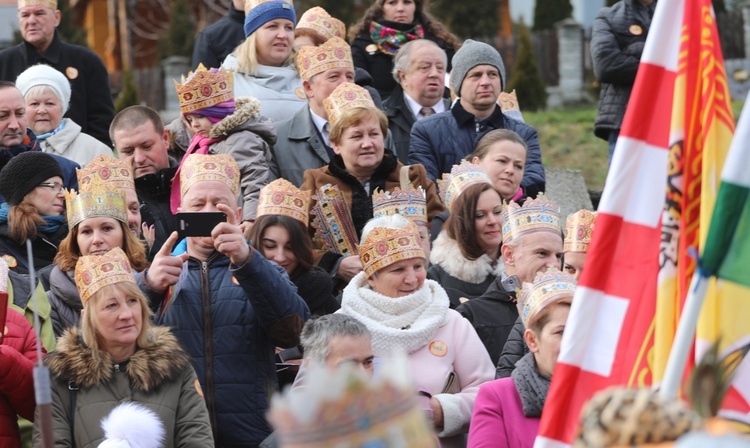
(57, 186)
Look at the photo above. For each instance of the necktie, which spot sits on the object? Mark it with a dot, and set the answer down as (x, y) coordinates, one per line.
(426, 111)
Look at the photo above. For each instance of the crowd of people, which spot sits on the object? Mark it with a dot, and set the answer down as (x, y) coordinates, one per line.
(378, 205)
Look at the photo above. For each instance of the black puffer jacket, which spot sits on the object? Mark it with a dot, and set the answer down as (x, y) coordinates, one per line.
(515, 348)
(617, 40)
(316, 289)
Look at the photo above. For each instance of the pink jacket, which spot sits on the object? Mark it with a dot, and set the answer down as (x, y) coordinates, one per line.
(498, 419)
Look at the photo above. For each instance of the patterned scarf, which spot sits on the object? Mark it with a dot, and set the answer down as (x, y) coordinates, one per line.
(532, 386)
(389, 39)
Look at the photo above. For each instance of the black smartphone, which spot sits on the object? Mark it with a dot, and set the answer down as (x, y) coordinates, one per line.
(198, 223)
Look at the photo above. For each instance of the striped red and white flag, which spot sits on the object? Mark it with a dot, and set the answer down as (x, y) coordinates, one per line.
(611, 322)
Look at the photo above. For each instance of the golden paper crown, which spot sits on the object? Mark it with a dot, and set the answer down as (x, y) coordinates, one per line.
(578, 229)
(348, 410)
(461, 177)
(312, 60)
(204, 167)
(114, 172)
(346, 96)
(250, 4)
(508, 101)
(94, 272)
(536, 215)
(384, 246)
(318, 20)
(409, 203)
(549, 287)
(203, 88)
(281, 197)
(95, 198)
(52, 4)
(333, 221)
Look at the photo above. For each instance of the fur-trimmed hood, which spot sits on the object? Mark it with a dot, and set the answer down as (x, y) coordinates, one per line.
(245, 108)
(74, 361)
(446, 254)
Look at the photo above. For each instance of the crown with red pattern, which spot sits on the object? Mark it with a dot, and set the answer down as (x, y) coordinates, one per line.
(318, 20)
(578, 230)
(204, 88)
(94, 272)
(281, 197)
(549, 287)
(384, 246)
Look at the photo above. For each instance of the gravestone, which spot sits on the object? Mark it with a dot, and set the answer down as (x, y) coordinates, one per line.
(568, 188)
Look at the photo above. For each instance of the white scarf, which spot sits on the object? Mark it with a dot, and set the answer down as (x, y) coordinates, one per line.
(397, 324)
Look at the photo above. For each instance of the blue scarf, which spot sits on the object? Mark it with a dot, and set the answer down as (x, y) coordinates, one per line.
(51, 133)
(51, 223)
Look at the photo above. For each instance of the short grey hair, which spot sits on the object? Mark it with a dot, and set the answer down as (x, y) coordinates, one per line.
(402, 58)
(389, 222)
(317, 334)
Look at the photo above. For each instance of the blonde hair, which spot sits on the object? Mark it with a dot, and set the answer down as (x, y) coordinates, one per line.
(353, 117)
(89, 321)
(247, 56)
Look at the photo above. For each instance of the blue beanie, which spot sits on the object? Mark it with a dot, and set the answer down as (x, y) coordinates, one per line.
(265, 12)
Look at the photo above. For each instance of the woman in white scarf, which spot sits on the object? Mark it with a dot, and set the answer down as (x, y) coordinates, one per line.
(407, 313)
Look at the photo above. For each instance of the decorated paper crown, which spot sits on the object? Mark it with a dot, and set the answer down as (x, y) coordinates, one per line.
(409, 203)
(204, 167)
(281, 197)
(578, 229)
(94, 272)
(548, 288)
(312, 60)
(115, 172)
(333, 221)
(348, 410)
(384, 246)
(95, 198)
(346, 96)
(318, 20)
(536, 215)
(48, 3)
(460, 178)
(204, 88)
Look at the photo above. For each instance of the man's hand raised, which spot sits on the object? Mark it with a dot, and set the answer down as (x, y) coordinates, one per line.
(229, 238)
(166, 268)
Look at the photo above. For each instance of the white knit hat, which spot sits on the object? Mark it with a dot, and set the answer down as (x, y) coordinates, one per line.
(44, 75)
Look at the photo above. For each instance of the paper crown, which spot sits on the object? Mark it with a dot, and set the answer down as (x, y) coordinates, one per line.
(250, 4)
(204, 167)
(204, 88)
(318, 20)
(384, 246)
(333, 221)
(348, 410)
(409, 203)
(281, 197)
(95, 198)
(114, 172)
(94, 272)
(48, 3)
(549, 287)
(578, 229)
(461, 177)
(346, 96)
(312, 60)
(536, 215)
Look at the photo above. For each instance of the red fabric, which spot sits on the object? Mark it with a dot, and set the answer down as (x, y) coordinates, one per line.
(198, 145)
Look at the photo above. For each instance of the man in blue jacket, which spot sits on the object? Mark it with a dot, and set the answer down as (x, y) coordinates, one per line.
(228, 306)
(440, 141)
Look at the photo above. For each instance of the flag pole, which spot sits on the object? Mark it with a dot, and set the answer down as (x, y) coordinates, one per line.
(683, 339)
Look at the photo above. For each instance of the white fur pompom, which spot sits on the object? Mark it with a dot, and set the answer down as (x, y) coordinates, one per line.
(131, 425)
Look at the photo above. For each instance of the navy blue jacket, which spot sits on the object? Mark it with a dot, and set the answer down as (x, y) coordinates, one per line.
(249, 311)
(442, 140)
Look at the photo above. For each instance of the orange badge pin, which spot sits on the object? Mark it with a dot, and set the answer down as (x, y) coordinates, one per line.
(300, 92)
(71, 72)
(636, 30)
(438, 348)
(198, 388)
(372, 48)
(10, 260)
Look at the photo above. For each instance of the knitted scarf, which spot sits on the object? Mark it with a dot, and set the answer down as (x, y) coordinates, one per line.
(51, 223)
(198, 145)
(532, 386)
(52, 132)
(397, 324)
(389, 38)
(29, 143)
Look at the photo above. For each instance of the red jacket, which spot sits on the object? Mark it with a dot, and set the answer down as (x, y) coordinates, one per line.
(17, 358)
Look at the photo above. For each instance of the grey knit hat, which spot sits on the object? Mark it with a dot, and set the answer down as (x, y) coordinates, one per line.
(471, 54)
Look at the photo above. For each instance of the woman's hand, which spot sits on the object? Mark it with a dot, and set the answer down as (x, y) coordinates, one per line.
(437, 413)
(166, 268)
(149, 234)
(229, 238)
(349, 267)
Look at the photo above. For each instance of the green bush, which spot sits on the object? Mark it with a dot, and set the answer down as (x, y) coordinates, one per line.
(526, 80)
(548, 12)
(128, 95)
(180, 36)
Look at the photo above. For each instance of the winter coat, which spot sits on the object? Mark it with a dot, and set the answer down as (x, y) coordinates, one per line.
(218, 40)
(279, 89)
(514, 349)
(252, 309)
(498, 420)
(617, 39)
(17, 358)
(492, 315)
(19, 296)
(400, 121)
(44, 248)
(91, 104)
(64, 300)
(153, 192)
(73, 144)
(158, 377)
(459, 276)
(379, 65)
(440, 141)
(358, 199)
(316, 289)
